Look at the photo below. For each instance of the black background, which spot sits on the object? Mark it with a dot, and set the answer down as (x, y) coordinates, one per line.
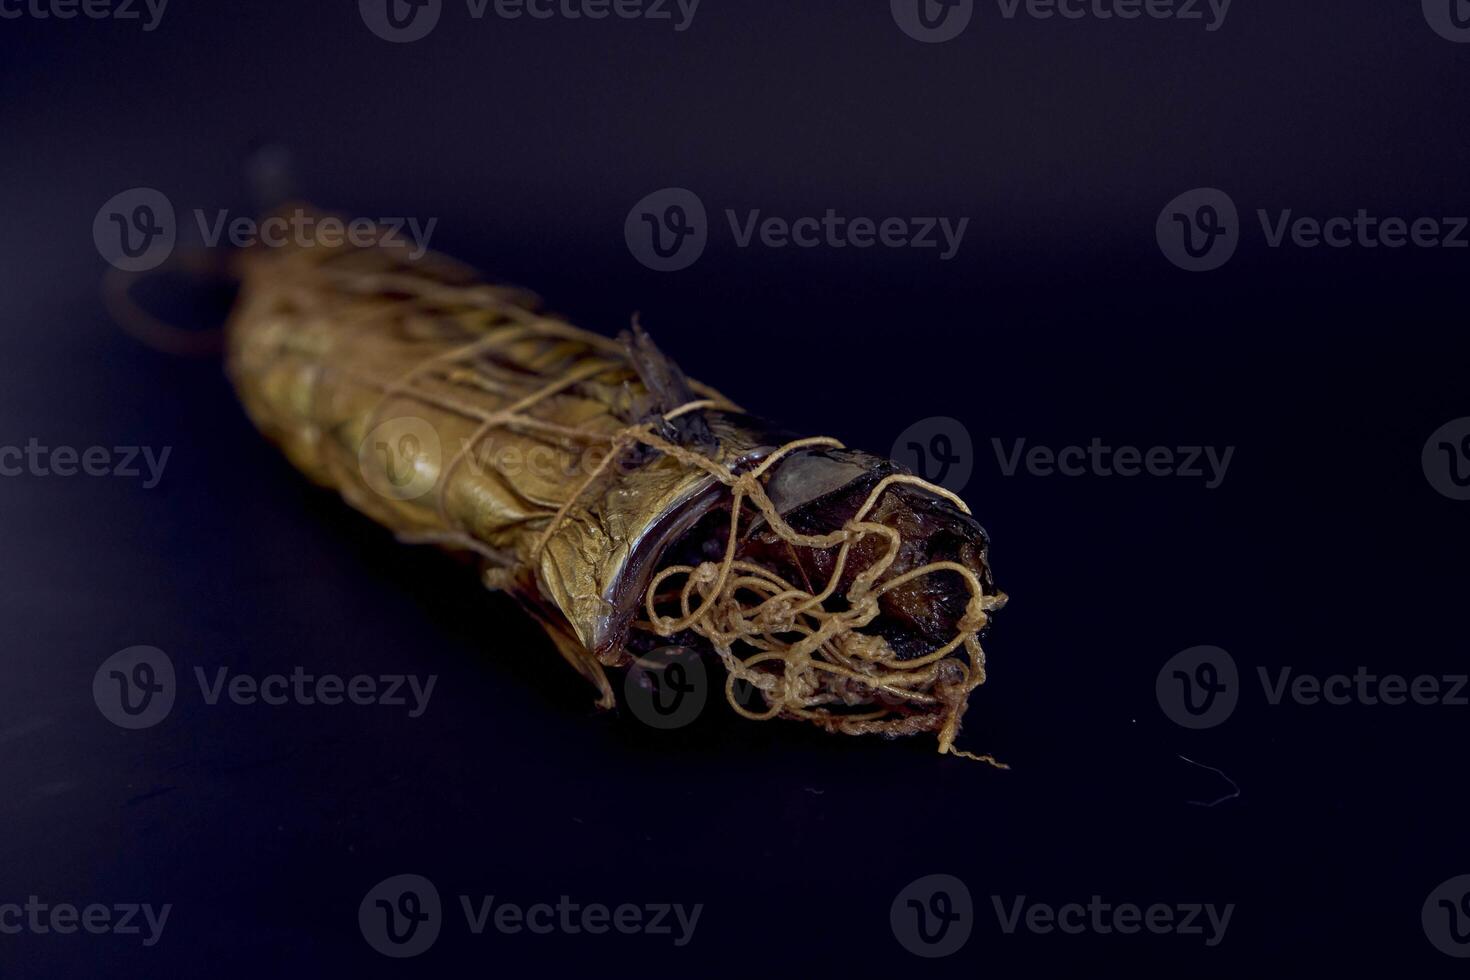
(1059, 320)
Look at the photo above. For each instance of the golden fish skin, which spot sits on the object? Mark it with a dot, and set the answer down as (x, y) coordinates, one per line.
(455, 413)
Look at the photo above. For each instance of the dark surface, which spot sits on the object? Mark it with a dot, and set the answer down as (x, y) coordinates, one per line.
(1324, 549)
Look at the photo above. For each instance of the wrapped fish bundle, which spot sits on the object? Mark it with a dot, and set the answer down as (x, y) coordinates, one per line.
(625, 506)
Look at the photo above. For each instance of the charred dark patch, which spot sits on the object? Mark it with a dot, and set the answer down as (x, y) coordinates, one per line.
(916, 617)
